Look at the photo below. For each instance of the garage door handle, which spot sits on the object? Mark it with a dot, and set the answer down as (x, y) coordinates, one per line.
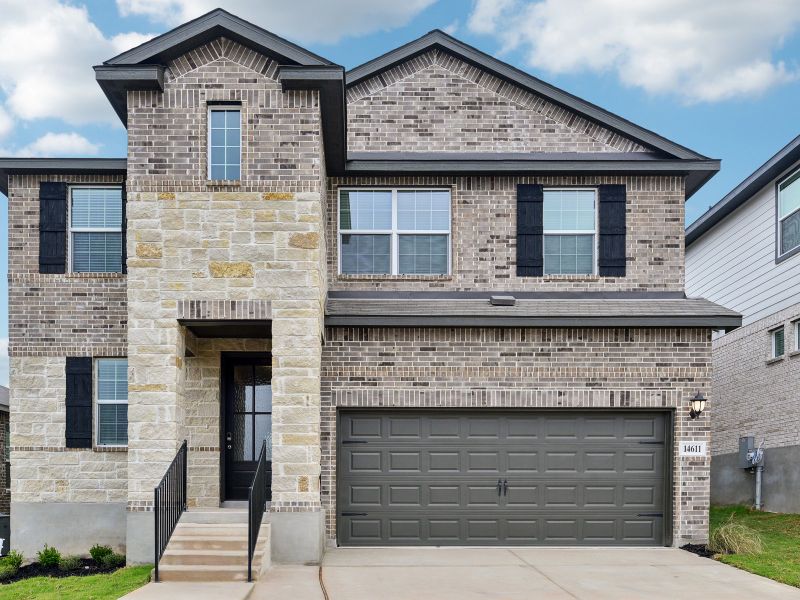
(354, 442)
(505, 487)
(650, 515)
(499, 487)
(353, 514)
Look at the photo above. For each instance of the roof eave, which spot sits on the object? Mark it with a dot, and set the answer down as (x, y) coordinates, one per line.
(210, 26)
(329, 81)
(783, 160)
(60, 166)
(117, 81)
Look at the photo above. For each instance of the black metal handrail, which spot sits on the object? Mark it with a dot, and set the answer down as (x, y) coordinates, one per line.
(169, 502)
(256, 505)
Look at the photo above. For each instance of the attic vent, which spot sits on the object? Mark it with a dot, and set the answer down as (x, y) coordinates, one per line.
(502, 300)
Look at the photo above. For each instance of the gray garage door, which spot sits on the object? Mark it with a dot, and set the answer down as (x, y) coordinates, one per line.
(501, 478)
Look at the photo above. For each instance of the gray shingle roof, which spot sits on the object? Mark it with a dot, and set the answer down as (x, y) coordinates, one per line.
(531, 312)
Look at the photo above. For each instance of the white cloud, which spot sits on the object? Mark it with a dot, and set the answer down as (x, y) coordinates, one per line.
(47, 50)
(4, 362)
(452, 28)
(700, 51)
(310, 21)
(60, 144)
(6, 123)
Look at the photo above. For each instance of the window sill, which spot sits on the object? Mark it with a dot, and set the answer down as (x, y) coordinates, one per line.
(775, 360)
(110, 449)
(343, 277)
(96, 275)
(590, 278)
(223, 182)
(794, 354)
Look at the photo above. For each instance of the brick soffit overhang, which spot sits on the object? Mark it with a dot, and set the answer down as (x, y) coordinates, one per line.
(142, 68)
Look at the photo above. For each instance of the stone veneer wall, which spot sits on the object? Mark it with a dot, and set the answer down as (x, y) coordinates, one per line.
(492, 367)
(258, 239)
(436, 102)
(483, 236)
(756, 395)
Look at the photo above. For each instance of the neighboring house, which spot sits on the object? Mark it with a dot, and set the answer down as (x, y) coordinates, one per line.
(744, 253)
(5, 465)
(451, 296)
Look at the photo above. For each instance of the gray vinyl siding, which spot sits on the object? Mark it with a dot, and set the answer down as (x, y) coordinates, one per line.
(734, 263)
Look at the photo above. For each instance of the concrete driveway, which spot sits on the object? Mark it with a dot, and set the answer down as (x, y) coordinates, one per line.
(524, 573)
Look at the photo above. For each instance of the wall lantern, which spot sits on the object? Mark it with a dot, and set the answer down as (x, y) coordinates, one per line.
(698, 405)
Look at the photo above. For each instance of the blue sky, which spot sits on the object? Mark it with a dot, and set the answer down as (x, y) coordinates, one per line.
(721, 80)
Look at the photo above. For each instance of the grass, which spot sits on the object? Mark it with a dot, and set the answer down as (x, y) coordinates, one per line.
(780, 559)
(92, 587)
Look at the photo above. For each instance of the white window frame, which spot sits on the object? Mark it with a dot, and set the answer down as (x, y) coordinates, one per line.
(594, 233)
(773, 342)
(97, 402)
(796, 324)
(223, 108)
(71, 229)
(394, 232)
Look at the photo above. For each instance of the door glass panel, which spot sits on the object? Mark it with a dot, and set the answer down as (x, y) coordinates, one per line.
(242, 437)
(242, 388)
(263, 387)
(264, 432)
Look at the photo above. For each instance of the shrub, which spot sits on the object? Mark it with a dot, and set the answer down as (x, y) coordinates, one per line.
(69, 563)
(7, 571)
(48, 556)
(14, 559)
(735, 538)
(113, 560)
(98, 552)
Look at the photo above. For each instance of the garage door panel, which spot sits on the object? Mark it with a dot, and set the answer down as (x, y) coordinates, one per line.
(432, 478)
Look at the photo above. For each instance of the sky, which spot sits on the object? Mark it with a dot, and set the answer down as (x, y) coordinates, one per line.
(719, 76)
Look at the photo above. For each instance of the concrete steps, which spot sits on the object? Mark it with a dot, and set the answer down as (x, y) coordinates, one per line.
(211, 545)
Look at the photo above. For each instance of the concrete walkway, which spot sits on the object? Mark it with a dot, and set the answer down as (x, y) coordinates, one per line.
(179, 590)
(534, 573)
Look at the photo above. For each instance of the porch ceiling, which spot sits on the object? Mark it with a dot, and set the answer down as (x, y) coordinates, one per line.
(230, 328)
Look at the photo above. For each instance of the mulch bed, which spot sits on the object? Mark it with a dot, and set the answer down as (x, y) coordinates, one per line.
(699, 549)
(88, 567)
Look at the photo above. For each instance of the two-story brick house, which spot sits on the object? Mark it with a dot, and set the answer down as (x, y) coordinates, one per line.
(449, 295)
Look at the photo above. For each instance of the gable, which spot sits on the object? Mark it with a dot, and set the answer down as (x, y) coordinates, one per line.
(224, 56)
(435, 102)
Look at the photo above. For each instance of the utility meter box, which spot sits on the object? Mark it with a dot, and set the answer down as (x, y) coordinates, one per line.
(747, 445)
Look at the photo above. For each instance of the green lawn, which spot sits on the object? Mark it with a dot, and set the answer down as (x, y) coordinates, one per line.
(91, 587)
(781, 534)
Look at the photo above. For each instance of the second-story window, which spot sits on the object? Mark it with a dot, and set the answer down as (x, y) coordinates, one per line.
(570, 225)
(95, 229)
(224, 143)
(394, 232)
(789, 214)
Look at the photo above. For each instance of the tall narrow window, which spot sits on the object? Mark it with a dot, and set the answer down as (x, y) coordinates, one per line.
(111, 398)
(394, 232)
(96, 229)
(777, 342)
(789, 214)
(224, 143)
(570, 218)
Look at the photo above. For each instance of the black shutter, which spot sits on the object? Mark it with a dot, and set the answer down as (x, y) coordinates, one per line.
(52, 227)
(124, 230)
(611, 259)
(79, 402)
(530, 230)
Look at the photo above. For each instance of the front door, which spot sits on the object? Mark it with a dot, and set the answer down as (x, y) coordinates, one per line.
(247, 399)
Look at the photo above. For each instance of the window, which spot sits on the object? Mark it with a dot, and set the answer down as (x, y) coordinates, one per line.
(111, 398)
(96, 229)
(394, 232)
(7, 450)
(797, 336)
(570, 218)
(789, 214)
(224, 143)
(777, 343)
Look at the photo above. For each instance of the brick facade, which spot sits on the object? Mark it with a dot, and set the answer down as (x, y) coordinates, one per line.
(484, 226)
(436, 102)
(756, 395)
(530, 368)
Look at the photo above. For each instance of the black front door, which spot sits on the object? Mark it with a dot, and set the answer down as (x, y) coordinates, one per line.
(247, 399)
